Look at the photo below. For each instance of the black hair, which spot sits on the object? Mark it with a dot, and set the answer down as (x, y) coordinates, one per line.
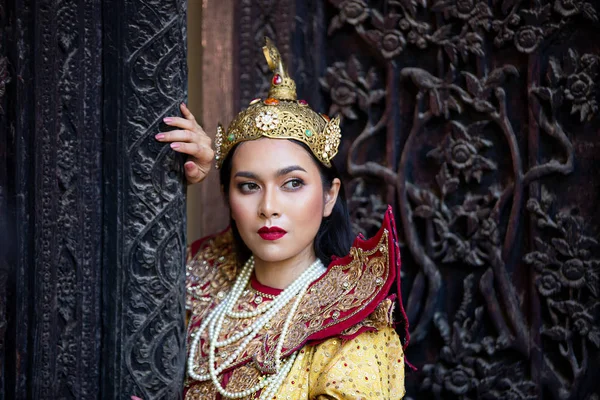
(334, 237)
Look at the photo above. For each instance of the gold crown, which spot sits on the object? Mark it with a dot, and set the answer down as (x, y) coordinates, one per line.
(281, 116)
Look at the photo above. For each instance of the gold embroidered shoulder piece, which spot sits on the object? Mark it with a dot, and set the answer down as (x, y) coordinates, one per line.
(210, 272)
(349, 298)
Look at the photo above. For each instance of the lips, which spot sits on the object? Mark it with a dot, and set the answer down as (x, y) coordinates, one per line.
(271, 233)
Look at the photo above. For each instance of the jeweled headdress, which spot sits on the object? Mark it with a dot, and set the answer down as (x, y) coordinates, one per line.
(281, 116)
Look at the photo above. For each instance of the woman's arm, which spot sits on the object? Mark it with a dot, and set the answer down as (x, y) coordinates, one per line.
(190, 139)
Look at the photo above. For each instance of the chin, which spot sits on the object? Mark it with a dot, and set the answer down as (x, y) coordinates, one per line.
(274, 251)
(271, 253)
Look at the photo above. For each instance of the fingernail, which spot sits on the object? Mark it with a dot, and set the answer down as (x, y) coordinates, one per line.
(175, 145)
(183, 105)
(167, 120)
(160, 136)
(189, 166)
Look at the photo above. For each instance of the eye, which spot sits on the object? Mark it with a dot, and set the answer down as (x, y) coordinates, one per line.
(293, 184)
(248, 187)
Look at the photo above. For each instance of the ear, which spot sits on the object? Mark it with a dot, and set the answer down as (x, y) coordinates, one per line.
(331, 197)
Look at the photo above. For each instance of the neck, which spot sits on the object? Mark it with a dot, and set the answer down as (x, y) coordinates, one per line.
(281, 274)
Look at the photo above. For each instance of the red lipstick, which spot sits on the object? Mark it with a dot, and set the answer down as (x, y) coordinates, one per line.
(272, 233)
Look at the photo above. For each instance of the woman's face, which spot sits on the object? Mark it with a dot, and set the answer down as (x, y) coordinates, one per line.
(277, 200)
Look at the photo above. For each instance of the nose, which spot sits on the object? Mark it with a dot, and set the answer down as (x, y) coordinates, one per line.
(268, 207)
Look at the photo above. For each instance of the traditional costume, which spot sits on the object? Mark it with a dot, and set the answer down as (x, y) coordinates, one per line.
(330, 334)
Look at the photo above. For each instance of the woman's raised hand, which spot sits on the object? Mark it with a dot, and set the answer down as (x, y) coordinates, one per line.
(190, 139)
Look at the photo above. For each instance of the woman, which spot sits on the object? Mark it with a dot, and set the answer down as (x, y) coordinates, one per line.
(283, 304)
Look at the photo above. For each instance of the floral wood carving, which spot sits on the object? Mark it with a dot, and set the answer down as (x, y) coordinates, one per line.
(470, 365)
(574, 79)
(479, 243)
(462, 165)
(350, 88)
(567, 278)
(367, 209)
(528, 28)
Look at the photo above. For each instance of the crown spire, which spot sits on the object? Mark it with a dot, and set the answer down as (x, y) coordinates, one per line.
(283, 86)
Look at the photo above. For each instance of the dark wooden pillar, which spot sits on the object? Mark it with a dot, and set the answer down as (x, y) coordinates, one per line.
(52, 179)
(144, 204)
(92, 209)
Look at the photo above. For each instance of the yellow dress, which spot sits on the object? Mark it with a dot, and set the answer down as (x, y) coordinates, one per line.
(370, 366)
(342, 330)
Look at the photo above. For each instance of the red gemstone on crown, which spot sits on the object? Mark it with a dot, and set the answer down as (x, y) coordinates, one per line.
(271, 101)
(303, 102)
(277, 79)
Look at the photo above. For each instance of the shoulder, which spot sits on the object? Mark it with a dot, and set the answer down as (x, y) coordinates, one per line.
(211, 267)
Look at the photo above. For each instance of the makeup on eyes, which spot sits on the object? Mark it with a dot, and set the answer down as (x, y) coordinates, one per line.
(299, 181)
(247, 187)
(290, 184)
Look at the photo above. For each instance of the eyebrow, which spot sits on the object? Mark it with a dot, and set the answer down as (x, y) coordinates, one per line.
(280, 172)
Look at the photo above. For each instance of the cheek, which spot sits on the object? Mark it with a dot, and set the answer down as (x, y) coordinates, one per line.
(309, 209)
(240, 209)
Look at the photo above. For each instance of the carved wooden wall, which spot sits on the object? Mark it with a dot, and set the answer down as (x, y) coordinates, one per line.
(479, 122)
(92, 208)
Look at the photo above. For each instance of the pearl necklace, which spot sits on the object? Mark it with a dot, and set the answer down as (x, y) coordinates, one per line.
(213, 322)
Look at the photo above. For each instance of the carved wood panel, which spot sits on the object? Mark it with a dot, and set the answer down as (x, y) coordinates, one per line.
(52, 213)
(92, 208)
(479, 122)
(144, 246)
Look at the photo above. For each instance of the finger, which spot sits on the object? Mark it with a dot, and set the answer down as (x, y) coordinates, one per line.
(193, 172)
(204, 140)
(182, 135)
(202, 153)
(182, 123)
(187, 114)
(135, 398)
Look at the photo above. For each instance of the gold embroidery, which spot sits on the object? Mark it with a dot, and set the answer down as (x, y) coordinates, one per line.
(201, 391)
(378, 319)
(243, 378)
(205, 282)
